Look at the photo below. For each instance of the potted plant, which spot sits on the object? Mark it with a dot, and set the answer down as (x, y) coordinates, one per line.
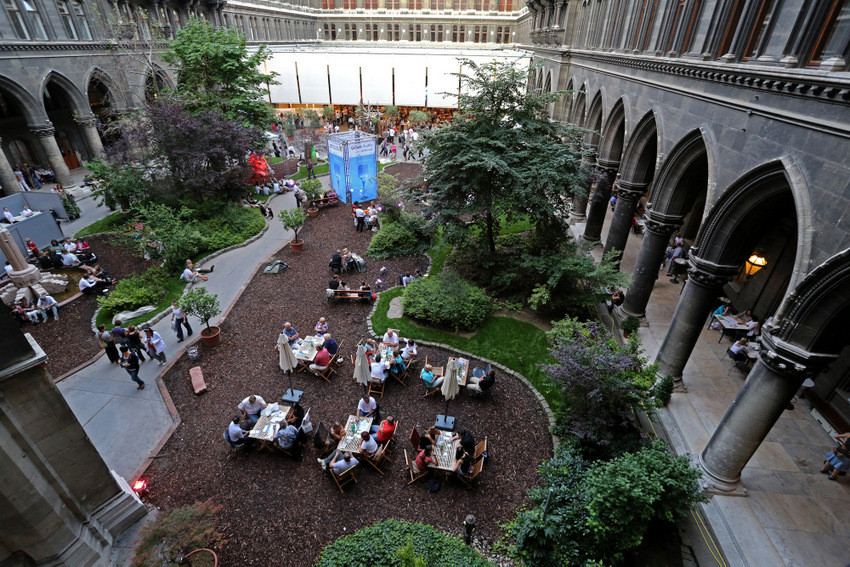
(313, 189)
(289, 130)
(630, 325)
(293, 219)
(204, 306)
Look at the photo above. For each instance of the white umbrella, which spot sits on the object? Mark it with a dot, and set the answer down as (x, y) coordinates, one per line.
(287, 361)
(362, 372)
(450, 388)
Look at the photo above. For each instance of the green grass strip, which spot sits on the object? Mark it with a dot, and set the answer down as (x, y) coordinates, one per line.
(108, 223)
(174, 289)
(501, 339)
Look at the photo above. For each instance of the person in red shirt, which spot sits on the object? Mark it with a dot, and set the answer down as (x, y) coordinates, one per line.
(385, 432)
(423, 459)
(321, 363)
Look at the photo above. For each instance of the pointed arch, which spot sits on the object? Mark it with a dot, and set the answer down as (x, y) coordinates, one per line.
(79, 101)
(577, 117)
(32, 109)
(671, 196)
(594, 120)
(101, 76)
(635, 166)
(613, 134)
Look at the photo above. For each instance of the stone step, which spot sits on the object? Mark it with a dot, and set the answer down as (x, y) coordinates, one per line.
(197, 377)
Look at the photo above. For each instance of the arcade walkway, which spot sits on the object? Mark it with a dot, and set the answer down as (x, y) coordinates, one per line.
(793, 515)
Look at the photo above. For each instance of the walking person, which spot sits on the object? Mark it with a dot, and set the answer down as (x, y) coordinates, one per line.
(310, 174)
(130, 362)
(107, 343)
(179, 319)
(134, 341)
(156, 346)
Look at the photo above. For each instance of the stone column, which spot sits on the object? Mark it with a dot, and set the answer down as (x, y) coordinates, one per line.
(705, 281)
(769, 388)
(88, 127)
(7, 175)
(599, 204)
(628, 194)
(659, 229)
(45, 134)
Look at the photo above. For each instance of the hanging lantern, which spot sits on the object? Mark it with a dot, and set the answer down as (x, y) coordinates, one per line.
(754, 264)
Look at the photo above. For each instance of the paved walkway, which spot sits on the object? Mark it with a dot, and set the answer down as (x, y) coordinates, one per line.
(125, 424)
(793, 514)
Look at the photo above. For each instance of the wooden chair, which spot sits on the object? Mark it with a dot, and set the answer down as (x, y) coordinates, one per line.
(376, 387)
(320, 439)
(338, 356)
(408, 364)
(414, 475)
(414, 438)
(476, 470)
(344, 478)
(437, 370)
(480, 449)
(379, 458)
(329, 371)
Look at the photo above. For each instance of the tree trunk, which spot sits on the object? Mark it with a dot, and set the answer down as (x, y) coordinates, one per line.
(491, 241)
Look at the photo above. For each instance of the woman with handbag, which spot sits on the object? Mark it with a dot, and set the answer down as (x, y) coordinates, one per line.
(838, 460)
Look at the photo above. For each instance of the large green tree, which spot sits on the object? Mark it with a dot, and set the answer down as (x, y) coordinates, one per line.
(216, 72)
(501, 157)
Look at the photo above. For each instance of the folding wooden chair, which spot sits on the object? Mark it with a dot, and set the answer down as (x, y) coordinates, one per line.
(408, 364)
(338, 356)
(437, 370)
(376, 387)
(414, 438)
(480, 449)
(414, 475)
(320, 439)
(476, 470)
(329, 371)
(379, 458)
(344, 478)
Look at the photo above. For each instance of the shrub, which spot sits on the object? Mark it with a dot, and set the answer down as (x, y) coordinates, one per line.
(70, 205)
(168, 234)
(190, 527)
(131, 293)
(229, 225)
(386, 544)
(662, 391)
(406, 237)
(447, 301)
(631, 324)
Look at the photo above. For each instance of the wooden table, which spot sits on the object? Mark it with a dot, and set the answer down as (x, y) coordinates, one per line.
(728, 325)
(268, 425)
(443, 452)
(351, 442)
(307, 349)
(462, 370)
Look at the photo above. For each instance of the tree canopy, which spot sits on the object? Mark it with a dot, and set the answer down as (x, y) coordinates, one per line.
(501, 157)
(217, 73)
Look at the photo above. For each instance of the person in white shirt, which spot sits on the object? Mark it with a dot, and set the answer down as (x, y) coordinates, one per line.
(191, 276)
(8, 267)
(390, 339)
(91, 284)
(251, 407)
(235, 434)
(69, 246)
(368, 446)
(69, 260)
(156, 346)
(378, 369)
(177, 314)
(367, 406)
(406, 280)
(27, 212)
(10, 218)
(409, 349)
(45, 303)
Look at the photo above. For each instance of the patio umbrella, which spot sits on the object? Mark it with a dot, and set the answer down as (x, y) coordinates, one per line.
(287, 361)
(450, 388)
(362, 372)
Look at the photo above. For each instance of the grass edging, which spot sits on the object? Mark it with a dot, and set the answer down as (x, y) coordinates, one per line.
(384, 298)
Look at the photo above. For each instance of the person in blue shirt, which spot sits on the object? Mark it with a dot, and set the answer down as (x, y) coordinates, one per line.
(330, 344)
(291, 334)
(430, 380)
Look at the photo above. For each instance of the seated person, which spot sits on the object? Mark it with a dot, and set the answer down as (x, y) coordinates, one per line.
(397, 365)
(481, 384)
(45, 262)
(429, 438)
(47, 303)
(30, 310)
(721, 312)
(368, 446)
(31, 247)
(336, 261)
(430, 380)
(347, 259)
(290, 332)
(70, 246)
(739, 350)
(334, 283)
(409, 349)
(467, 441)
(423, 459)
(463, 465)
(753, 328)
(321, 327)
(390, 339)
(236, 435)
(55, 247)
(367, 406)
(339, 462)
(70, 260)
(102, 274)
(321, 362)
(191, 276)
(191, 266)
(7, 214)
(744, 318)
(406, 279)
(378, 370)
(336, 434)
(367, 291)
(251, 408)
(330, 344)
(286, 437)
(385, 431)
(370, 345)
(617, 299)
(91, 284)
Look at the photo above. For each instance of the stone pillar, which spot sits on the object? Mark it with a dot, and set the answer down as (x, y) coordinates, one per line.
(88, 127)
(705, 281)
(598, 205)
(7, 175)
(769, 388)
(628, 194)
(45, 133)
(659, 229)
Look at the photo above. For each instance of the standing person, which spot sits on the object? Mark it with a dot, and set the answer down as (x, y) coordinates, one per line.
(310, 174)
(178, 316)
(130, 362)
(134, 341)
(393, 152)
(107, 343)
(360, 215)
(156, 346)
(20, 177)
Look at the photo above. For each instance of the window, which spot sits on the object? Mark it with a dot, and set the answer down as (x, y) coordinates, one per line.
(396, 33)
(731, 26)
(333, 32)
(67, 21)
(26, 20)
(370, 4)
(506, 5)
(484, 34)
(441, 4)
(175, 19)
(765, 11)
(34, 19)
(476, 34)
(458, 34)
(393, 4)
(832, 39)
(17, 19)
(415, 4)
(327, 32)
(433, 32)
(418, 34)
(479, 5)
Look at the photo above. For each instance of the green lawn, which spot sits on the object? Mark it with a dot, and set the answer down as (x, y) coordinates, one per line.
(272, 160)
(502, 339)
(174, 289)
(438, 252)
(319, 169)
(106, 224)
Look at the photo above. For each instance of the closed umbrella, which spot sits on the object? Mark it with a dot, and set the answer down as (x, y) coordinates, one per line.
(288, 363)
(450, 390)
(362, 373)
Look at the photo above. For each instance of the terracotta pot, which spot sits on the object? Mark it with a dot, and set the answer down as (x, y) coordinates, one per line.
(296, 245)
(626, 335)
(313, 212)
(211, 336)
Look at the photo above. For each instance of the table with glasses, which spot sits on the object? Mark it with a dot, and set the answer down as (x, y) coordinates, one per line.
(462, 370)
(444, 452)
(272, 418)
(354, 426)
(306, 349)
(728, 326)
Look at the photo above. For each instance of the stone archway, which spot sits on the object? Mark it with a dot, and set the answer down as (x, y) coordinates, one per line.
(18, 111)
(103, 100)
(608, 159)
(69, 112)
(593, 124)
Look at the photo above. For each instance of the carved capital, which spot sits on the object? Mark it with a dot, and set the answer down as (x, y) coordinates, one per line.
(630, 191)
(790, 360)
(45, 130)
(88, 121)
(661, 228)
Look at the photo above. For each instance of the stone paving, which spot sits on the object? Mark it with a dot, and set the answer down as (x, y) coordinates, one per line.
(793, 515)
